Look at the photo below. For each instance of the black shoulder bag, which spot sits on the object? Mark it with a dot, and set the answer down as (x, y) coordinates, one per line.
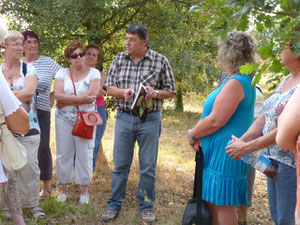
(197, 211)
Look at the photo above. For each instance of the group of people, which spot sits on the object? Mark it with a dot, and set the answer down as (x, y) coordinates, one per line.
(228, 115)
(29, 76)
(26, 79)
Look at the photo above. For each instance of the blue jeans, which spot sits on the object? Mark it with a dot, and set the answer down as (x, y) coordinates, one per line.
(128, 130)
(282, 195)
(99, 134)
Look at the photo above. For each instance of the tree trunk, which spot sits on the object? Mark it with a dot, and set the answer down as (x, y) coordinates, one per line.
(179, 101)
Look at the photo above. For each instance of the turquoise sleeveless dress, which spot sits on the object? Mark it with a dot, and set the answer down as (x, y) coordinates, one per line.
(224, 178)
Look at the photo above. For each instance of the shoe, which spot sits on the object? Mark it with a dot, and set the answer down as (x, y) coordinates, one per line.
(148, 216)
(6, 213)
(109, 215)
(45, 193)
(84, 199)
(62, 197)
(38, 213)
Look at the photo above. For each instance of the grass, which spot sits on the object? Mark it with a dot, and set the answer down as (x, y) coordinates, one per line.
(175, 174)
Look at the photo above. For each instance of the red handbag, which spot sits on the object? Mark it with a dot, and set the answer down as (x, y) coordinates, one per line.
(86, 121)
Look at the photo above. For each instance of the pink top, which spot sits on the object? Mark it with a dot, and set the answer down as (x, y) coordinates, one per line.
(100, 101)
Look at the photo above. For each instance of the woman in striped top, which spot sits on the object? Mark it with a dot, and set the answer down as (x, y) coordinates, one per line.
(46, 69)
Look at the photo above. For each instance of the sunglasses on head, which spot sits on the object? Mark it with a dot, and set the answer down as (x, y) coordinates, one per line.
(75, 56)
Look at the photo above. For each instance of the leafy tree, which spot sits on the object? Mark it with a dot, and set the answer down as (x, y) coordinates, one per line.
(271, 20)
(174, 32)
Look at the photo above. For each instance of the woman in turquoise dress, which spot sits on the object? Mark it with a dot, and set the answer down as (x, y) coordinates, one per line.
(229, 109)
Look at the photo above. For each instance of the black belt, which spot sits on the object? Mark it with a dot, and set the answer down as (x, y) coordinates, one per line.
(129, 112)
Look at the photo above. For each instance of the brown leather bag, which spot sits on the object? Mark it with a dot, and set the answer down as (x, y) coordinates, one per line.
(86, 121)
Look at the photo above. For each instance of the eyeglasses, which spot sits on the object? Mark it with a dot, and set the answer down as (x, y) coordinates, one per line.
(16, 45)
(75, 56)
(28, 43)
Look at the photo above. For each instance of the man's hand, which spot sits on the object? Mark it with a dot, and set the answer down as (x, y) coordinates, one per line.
(128, 94)
(151, 93)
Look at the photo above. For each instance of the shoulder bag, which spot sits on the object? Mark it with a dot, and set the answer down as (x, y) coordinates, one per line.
(13, 153)
(86, 121)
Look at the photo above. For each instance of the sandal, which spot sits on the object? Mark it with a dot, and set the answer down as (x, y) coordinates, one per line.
(38, 213)
(6, 213)
(45, 193)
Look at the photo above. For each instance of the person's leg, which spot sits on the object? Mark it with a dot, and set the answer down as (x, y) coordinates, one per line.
(44, 151)
(148, 136)
(84, 162)
(272, 198)
(65, 148)
(28, 178)
(286, 189)
(223, 215)
(12, 199)
(242, 209)
(99, 134)
(122, 157)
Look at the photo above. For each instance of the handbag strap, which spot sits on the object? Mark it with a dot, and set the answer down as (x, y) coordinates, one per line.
(198, 183)
(73, 87)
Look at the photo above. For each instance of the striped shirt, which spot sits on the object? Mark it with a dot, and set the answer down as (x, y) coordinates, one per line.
(152, 70)
(46, 69)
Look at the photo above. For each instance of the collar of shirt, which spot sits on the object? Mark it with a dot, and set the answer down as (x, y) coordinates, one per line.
(148, 54)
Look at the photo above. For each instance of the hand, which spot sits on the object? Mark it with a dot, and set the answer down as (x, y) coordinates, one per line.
(193, 143)
(237, 148)
(151, 93)
(86, 98)
(128, 94)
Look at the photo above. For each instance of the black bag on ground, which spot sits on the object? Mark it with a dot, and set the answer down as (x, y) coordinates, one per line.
(197, 211)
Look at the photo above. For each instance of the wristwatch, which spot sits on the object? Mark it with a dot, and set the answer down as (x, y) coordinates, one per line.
(156, 91)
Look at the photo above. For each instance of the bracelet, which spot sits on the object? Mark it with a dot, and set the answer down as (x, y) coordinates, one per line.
(192, 137)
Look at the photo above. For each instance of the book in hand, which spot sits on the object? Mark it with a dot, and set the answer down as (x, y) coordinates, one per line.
(140, 105)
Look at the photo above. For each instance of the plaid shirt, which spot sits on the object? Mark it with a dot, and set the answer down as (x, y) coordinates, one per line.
(152, 70)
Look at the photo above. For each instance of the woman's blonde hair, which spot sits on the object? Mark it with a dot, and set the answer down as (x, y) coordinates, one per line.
(11, 36)
(238, 49)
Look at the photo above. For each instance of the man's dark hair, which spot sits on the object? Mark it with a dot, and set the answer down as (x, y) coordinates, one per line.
(138, 29)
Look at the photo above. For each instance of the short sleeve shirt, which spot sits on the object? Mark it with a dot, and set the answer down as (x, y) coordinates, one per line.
(152, 70)
(272, 109)
(46, 69)
(69, 113)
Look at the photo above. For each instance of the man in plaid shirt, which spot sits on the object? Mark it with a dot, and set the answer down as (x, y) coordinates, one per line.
(137, 65)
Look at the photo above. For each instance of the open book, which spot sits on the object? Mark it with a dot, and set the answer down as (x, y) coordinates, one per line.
(140, 105)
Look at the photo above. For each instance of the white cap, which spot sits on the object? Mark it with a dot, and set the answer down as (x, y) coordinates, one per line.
(3, 31)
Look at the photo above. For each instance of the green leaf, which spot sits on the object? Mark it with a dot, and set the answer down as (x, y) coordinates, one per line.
(246, 9)
(276, 66)
(264, 52)
(259, 74)
(248, 68)
(259, 27)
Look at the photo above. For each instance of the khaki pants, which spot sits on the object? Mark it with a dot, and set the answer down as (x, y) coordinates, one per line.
(28, 178)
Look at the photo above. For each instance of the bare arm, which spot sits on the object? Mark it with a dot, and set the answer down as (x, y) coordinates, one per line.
(226, 102)
(29, 89)
(289, 123)
(117, 92)
(65, 99)
(255, 130)
(18, 122)
(101, 90)
(239, 148)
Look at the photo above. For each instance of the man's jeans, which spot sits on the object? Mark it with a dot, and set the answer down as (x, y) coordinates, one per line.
(282, 195)
(128, 130)
(99, 134)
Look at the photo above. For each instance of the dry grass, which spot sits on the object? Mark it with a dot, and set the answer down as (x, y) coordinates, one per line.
(174, 180)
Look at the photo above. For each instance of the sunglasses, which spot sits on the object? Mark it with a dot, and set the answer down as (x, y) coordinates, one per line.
(75, 56)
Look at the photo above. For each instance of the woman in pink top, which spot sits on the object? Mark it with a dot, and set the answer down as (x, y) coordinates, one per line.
(91, 59)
